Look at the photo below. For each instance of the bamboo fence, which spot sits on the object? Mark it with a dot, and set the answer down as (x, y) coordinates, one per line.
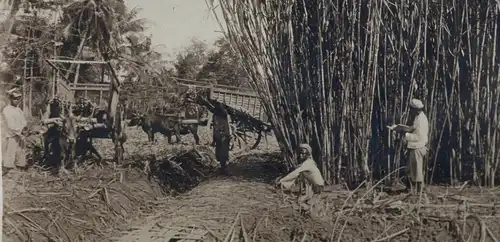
(335, 73)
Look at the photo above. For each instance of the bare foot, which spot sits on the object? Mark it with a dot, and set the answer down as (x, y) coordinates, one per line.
(76, 169)
(63, 171)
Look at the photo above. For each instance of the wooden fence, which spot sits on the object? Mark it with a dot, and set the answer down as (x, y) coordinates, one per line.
(96, 92)
(64, 91)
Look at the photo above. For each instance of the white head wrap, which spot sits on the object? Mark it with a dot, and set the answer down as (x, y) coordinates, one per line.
(307, 147)
(14, 93)
(415, 103)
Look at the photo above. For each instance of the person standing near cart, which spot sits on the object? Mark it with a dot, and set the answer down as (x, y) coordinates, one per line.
(15, 128)
(221, 135)
(221, 129)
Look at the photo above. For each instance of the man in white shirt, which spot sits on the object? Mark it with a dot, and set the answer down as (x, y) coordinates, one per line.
(417, 138)
(311, 174)
(15, 128)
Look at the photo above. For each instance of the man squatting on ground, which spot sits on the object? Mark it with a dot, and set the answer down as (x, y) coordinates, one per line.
(417, 138)
(308, 170)
(15, 129)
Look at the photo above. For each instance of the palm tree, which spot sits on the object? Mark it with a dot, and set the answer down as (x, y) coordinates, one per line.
(13, 6)
(91, 23)
(129, 23)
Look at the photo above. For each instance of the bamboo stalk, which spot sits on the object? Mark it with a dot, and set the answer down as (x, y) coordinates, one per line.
(334, 74)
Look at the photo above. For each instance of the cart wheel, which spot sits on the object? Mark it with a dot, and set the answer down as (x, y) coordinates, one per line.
(233, 141)
(250, 141)
(257, 141)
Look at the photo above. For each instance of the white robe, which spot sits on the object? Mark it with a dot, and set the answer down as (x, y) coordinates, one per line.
(13, 123)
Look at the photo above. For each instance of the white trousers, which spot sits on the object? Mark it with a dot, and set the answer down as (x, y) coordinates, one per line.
(13, 153)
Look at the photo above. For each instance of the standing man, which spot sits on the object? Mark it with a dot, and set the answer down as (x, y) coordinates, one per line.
(417, 138)
(15, 126)
(221, 129)
(221, 134)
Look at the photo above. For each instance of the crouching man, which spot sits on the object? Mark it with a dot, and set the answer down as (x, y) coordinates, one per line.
(308, 172)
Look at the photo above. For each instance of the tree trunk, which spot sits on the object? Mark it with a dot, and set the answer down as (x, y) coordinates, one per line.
(30, 96)
(78, 53)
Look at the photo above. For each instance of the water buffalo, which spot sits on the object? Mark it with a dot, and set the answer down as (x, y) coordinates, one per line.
(64, 140)
(166, 125)
(169, 125)
(60, 138)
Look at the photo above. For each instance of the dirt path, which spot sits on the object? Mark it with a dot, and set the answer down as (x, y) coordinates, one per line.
(210, 209)
(209, 212)
(96, 205)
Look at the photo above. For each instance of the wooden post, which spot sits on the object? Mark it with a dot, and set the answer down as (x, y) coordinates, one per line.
(115, 113)
(54, 75)
(30, 96)
(77, 74)
(211, 93)
(25, 111)
(100, 97)
(254, 106)
(102, 73)
(249, 104)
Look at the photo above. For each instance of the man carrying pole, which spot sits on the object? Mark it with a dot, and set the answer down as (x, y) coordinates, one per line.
(221, 135)
(15, 127)
(221, 129)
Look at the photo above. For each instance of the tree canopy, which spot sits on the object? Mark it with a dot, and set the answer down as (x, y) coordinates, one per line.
(102, 30)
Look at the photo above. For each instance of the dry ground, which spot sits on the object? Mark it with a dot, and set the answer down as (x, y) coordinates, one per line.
(218, 208)
(96, 206)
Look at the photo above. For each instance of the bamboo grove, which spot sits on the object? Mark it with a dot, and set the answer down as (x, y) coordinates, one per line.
(336, 73)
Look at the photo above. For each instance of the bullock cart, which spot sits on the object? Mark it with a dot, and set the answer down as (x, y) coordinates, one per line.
(69, 132)
(246, 130)
(63, 86)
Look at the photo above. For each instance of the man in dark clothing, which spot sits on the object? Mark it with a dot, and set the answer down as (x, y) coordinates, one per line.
(221, 129)
(221, 135)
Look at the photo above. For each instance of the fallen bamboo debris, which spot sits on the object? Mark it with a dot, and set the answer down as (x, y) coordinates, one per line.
(99, 202)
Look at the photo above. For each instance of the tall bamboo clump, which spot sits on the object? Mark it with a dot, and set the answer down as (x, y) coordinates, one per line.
(335, 73)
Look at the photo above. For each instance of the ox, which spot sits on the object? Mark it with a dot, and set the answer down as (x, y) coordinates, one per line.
(61, 135)
(169, 125)
(166, 125)
(64, 139)
(98, 129)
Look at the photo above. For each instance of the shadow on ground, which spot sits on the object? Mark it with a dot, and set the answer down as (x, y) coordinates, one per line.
(257, 167)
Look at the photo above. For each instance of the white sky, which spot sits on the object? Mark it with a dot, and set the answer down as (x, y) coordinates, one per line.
(173, 23)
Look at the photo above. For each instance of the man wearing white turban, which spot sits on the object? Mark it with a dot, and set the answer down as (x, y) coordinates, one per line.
(417, 138)
(309, 171)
